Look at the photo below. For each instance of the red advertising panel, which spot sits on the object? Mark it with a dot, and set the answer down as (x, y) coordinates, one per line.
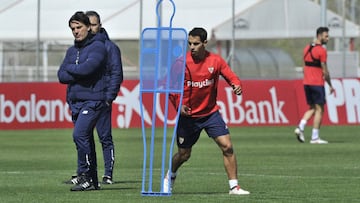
(263, 103)
(33, 105)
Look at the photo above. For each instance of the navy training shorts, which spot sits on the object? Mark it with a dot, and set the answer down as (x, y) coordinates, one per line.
(189, 128)
(314, 94)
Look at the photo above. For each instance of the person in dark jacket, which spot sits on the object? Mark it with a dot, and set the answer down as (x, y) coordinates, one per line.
(114, 78)
(83, 70)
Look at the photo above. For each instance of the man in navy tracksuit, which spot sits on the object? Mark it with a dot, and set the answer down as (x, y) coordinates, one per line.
(114, 77)
(83, 70)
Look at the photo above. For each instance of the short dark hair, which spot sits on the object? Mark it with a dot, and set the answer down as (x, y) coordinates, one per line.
(200, 32)
(93, 13)
(320, 30)
(81, 17)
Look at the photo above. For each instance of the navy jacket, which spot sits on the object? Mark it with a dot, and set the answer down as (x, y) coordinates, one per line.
(114, 70)
(83, 70)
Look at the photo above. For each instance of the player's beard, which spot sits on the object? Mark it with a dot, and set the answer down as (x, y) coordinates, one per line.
(195, 55)
(323, 41)
(198, 55)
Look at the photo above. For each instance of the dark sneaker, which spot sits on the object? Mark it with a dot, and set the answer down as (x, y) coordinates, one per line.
(84, 184)
(73, 180)
(107, 180)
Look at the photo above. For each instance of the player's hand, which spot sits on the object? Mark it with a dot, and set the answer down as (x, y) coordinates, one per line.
(332, 90)
(237, 89)
(185, 110)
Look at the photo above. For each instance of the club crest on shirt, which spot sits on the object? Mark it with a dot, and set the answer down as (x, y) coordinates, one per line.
(181, 140)
(211, 69)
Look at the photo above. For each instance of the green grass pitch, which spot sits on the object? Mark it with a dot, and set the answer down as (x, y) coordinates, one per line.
(272, 165)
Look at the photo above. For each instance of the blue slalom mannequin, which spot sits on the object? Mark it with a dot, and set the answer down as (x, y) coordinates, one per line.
(160, 48)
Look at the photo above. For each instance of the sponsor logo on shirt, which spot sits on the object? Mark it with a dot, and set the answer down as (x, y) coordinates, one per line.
(211, 69)
(200, 84)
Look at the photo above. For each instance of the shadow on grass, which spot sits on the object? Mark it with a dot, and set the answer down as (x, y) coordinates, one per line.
(116, 185)
(126, 181)
(119, 188)
(199, 193)
(337, 142)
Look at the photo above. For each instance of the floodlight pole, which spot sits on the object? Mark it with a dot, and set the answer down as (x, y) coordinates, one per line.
(232, 53)
(38, 42)
(141, 17)
(343, 38)
(323, 13)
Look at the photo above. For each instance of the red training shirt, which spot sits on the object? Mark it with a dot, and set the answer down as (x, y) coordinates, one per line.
(314, 75)
(201, 84)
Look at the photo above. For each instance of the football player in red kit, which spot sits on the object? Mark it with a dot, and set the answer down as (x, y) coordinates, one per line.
(316, 73)
(199, 110)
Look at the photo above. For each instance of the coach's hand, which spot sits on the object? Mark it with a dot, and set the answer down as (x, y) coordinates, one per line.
(185, 110)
